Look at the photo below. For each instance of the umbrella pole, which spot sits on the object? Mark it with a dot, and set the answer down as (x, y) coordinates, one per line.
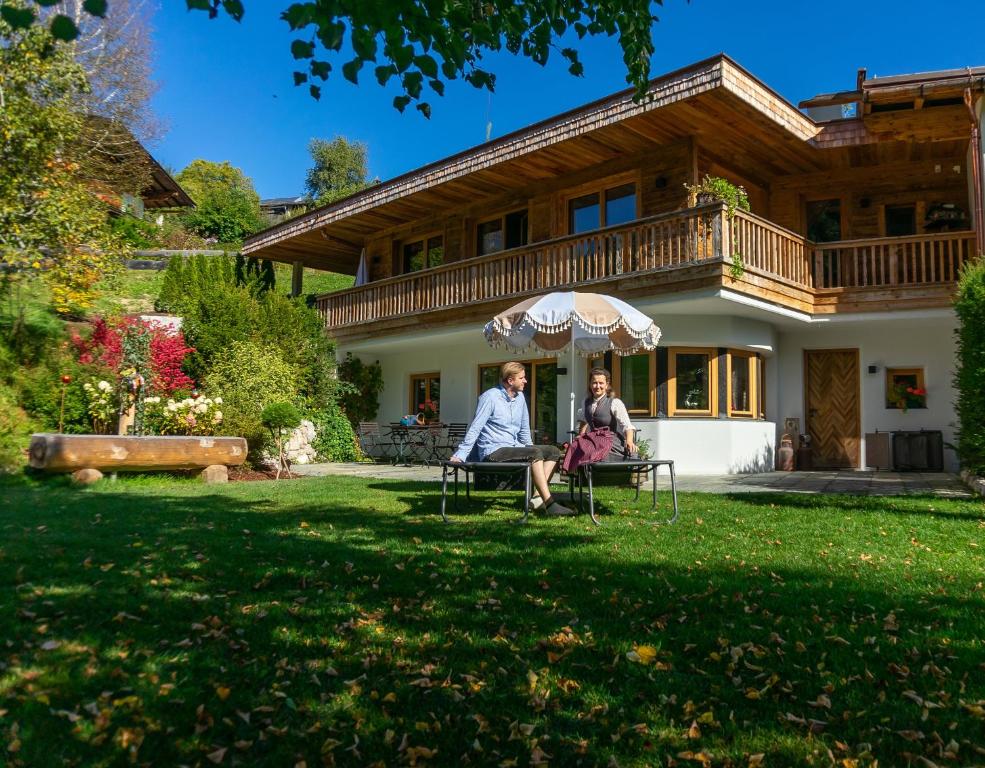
(571, 386)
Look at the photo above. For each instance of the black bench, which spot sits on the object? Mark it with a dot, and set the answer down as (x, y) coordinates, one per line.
(490, 467)
(587, 471)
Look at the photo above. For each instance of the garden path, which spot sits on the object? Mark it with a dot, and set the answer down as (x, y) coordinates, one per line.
(861, 483)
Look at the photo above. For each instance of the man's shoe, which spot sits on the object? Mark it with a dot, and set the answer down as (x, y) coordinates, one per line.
(559, 510)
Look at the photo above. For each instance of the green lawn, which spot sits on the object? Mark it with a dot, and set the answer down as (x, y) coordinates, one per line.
(338, 621)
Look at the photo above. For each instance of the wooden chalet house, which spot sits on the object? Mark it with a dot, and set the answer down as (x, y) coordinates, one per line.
(864, 207)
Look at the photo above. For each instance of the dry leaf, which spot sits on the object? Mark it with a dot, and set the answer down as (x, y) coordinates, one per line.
(218, 756)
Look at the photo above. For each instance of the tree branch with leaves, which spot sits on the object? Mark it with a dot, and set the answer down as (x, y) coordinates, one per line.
(422, 44)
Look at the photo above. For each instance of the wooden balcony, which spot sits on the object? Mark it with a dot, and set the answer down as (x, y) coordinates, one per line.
(678, 251)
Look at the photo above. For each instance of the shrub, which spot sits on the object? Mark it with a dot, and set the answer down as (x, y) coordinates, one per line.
(335, 439)
(248, 377)
(190, 416)
(969, 378)
(280, 416)
(161, 353)
(217, 313)
(15, 429)
(361, 399)
(134, 232)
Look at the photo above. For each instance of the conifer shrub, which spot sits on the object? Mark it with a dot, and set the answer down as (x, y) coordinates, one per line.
(969, 378)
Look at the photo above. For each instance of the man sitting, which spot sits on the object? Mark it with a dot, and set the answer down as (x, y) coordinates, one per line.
(501, 432)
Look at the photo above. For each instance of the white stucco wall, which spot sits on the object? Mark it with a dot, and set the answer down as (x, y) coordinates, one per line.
(712, 446)
(698, 446)
(904, 340)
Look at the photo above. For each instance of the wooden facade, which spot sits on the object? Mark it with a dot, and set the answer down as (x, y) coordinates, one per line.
(895, 188)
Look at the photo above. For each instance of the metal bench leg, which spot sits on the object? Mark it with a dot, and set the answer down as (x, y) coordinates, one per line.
(654, 505)
(444, 492)
(673, 489)
(591, 495)
(456, 488)
(527, 486)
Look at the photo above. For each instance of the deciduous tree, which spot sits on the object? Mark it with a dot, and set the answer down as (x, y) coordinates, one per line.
(227, 205)
(50, 222)
(339, 169)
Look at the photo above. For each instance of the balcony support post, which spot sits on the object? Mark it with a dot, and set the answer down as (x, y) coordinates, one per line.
(976, 172)
(297, 278)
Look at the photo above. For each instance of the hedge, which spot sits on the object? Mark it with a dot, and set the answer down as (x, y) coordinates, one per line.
(969, 379)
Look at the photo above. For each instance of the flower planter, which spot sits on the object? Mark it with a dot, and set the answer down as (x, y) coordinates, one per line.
(125, 453)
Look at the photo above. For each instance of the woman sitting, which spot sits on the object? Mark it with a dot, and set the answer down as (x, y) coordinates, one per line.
(601, 409)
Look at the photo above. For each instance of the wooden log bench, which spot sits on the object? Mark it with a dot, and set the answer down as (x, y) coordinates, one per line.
(127, 453)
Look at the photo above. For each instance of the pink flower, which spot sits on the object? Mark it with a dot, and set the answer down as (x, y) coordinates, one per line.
(190, 420)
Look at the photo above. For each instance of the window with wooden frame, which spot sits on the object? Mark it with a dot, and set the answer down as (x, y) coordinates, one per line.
(692, 385)
(502, 233)
(905, 388)
(422, 253)
(603, 204)
(741, 377)
(425, 394)
(824, 220)
(633, 380)
(540, 392)
(900, 220)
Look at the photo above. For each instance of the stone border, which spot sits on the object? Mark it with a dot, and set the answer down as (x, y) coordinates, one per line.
(974, 482)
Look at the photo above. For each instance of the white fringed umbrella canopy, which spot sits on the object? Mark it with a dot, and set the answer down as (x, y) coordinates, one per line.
(587, 323)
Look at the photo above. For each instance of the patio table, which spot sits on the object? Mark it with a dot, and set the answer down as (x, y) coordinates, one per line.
(414, 440)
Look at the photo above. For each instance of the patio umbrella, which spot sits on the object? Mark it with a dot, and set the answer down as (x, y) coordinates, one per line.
(362, 271)
(585, 323)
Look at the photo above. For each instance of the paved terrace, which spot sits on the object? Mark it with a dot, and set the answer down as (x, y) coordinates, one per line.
(863, 483)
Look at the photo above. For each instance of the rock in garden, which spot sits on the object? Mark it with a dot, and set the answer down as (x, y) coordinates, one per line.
(215, 473)
(86, 476)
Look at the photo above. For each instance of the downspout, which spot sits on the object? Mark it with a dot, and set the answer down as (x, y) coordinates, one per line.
(976, 172)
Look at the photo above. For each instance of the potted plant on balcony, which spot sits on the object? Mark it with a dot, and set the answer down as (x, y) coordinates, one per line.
(712, 188)
(717, 188)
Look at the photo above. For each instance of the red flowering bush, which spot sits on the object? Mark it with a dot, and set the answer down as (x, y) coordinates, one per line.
(168, 351)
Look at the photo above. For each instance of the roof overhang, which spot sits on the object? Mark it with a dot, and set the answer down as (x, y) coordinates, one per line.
(715, 99)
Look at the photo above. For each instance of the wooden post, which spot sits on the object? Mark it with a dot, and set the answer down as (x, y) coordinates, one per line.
(297, 278)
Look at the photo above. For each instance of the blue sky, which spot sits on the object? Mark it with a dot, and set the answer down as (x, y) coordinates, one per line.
(226, 92)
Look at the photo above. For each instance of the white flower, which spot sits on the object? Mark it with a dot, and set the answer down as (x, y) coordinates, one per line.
(217, 416)
(172, 406)
(87, 387)
(218, 401)
(105, 386)
(201, 408)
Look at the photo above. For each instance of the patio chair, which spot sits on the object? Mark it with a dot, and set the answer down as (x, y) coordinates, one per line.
(453, 438)
(373, 442)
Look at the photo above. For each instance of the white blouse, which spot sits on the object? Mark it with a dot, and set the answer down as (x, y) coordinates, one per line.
(619, 411)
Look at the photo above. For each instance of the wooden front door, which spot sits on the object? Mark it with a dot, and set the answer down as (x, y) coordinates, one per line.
(832, 406)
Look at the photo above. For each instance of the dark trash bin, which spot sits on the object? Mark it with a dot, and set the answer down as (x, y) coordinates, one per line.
(918, 451)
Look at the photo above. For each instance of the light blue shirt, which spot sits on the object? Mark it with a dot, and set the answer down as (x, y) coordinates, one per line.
(500, 421)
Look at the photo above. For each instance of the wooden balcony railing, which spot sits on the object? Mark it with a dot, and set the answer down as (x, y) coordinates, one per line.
(669, 241)
(892, 261)
(764, 246)
(658, 242)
